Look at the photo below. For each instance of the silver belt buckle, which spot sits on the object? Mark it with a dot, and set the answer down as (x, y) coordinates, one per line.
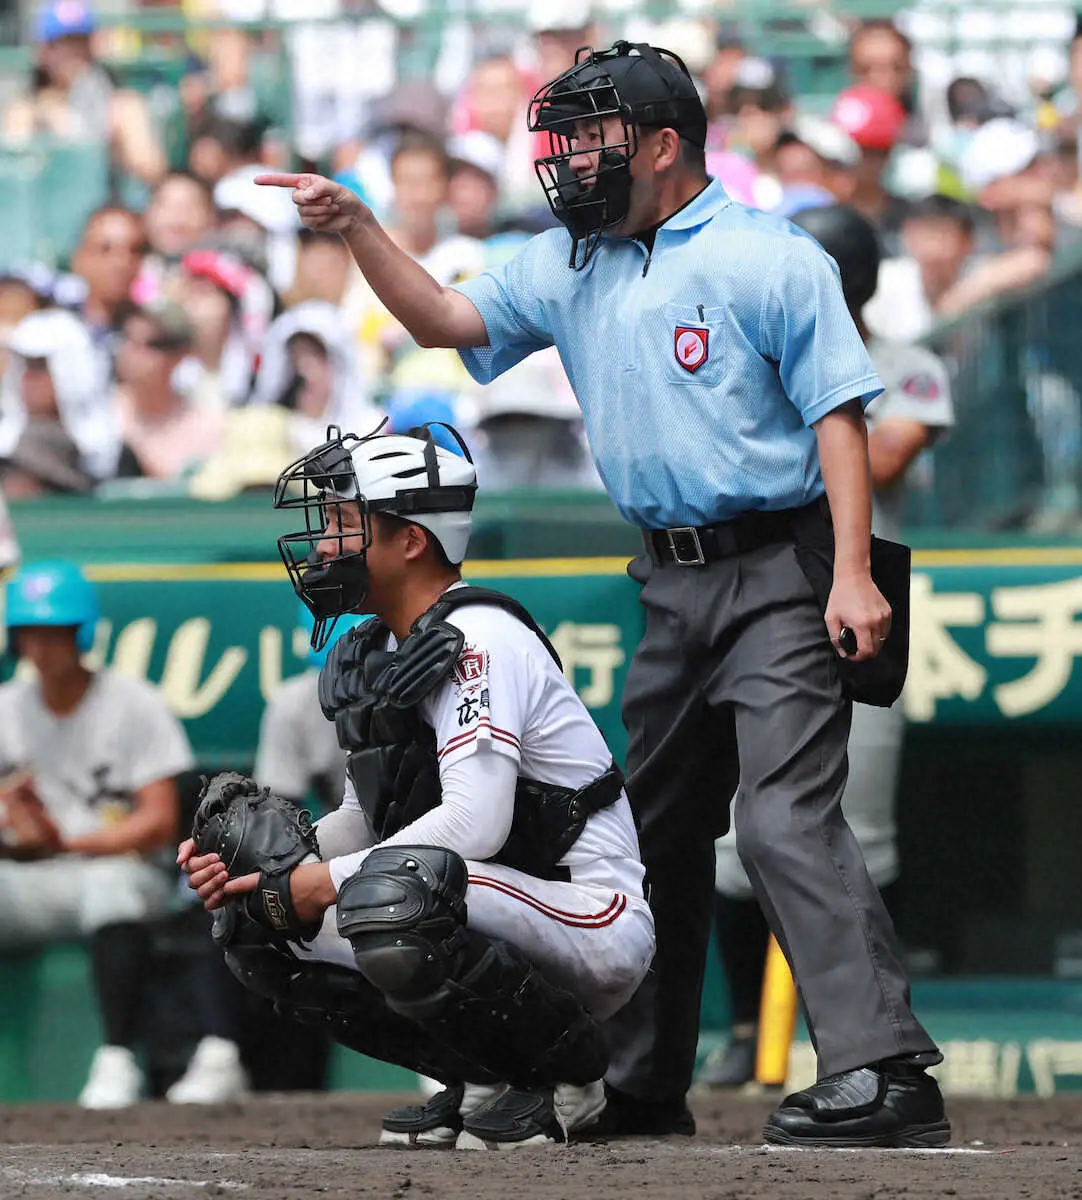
(685, 546)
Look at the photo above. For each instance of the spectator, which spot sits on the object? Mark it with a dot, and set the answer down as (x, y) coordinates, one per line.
(969, 104)
(164, 435)
(53, 378)
(813, 153)
(324, 269)
(473, 190)
(227, 153)
(414, 107)
(179, 215)
(108, 260)
(309, 366)
(881, 56)
(529, 431)
(719, 78)
(559, 28)
(74, 99)
(874, 119)
(43, 462)
(222, 145)
(20, 295)
(494, 101)
(230, 306)
(760, 107)
(941, 276)
(420, 173)
(90, 808)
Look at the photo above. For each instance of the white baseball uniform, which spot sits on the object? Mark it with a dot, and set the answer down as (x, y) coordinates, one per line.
(916, 388)
(508, 711)
(87, 767)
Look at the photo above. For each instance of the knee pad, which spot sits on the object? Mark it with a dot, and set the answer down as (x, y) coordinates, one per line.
(404, 914)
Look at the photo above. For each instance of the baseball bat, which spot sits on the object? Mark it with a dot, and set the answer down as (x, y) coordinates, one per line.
(777, 1018)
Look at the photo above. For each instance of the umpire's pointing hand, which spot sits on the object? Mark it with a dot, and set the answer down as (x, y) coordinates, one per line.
(856, 602)
(323, 205)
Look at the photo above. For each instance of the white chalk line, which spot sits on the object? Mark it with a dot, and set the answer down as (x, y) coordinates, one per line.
(92, 1179)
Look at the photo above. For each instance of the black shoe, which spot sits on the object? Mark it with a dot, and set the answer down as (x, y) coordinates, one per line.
(894, 1103)
(731, 1066)
(625, 1116)
(513, 1121)
(435, 1123)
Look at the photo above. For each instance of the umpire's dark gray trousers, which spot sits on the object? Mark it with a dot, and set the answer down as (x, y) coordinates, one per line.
(736, 657)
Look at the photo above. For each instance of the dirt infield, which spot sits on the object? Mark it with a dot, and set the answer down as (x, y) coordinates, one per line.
(294, 1148)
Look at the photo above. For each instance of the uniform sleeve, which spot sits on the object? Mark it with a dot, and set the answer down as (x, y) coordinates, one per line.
(921, 392)
(473, 817)
(512, 307)
(158, 747)
(805, 327)
(279, 763)
(484, 702)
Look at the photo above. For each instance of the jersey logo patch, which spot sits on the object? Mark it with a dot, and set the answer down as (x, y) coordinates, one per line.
(691, 346)
(470, 667)
(921, 387)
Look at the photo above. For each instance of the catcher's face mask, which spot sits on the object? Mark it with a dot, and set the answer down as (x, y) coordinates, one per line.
(323, 485)
(591, 113)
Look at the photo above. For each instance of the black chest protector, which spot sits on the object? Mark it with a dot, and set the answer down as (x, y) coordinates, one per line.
(373, 695)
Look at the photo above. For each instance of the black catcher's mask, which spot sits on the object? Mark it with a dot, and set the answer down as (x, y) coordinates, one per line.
(319, 484)
(641, 86)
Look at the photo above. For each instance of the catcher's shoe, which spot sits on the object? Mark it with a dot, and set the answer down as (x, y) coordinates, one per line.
(892, 1104)
(627, 1116)
(514, 1121)
(438, 1122)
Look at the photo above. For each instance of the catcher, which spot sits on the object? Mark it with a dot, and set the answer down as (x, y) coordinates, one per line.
(475, 906)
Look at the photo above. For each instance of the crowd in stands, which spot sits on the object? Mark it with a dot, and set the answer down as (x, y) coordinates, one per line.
(196, 339)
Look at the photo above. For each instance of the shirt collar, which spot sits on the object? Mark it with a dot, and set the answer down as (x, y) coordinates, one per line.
(708, 203)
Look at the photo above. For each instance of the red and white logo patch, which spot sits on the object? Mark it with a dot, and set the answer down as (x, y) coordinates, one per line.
(470, 668)
(691, 346)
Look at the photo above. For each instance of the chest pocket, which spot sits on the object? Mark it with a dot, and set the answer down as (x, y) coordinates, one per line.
(695, 354)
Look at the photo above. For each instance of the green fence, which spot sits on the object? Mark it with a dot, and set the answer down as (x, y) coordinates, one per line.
(1014, 459)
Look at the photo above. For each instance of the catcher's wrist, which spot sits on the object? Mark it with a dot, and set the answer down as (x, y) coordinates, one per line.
(312, 891)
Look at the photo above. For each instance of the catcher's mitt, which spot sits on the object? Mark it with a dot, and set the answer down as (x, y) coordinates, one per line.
(251, 829)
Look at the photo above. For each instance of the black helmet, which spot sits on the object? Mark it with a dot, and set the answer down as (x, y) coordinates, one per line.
(852, 242)
(641, 86)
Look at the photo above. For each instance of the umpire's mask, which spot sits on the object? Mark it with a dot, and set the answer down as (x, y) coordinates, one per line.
(641, 86)
(407, 475)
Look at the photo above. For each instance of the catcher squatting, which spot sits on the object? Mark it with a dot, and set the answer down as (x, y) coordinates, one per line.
(475, 907)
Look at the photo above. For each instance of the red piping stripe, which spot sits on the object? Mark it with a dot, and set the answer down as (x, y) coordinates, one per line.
(463, 739)
(578, 920)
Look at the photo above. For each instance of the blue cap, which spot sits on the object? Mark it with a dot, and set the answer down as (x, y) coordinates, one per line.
(63, 18)
(53, 592)
(410, 407)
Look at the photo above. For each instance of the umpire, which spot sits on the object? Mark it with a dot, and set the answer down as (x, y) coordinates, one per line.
(722, 384)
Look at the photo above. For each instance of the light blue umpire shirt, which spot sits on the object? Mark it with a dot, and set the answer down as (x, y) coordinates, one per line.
(700, 367)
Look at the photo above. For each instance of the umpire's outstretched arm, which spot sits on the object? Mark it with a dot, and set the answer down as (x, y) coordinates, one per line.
(434, 315)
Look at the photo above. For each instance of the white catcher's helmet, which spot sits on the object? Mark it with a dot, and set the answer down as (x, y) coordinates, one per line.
(409, 476)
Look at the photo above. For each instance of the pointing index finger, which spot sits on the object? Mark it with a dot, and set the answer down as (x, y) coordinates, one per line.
(281, 179)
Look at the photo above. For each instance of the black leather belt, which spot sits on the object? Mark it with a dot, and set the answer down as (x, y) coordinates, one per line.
(697, 545)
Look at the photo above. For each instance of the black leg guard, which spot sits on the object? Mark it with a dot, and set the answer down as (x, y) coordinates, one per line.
(404, 913)
(348, 1007)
